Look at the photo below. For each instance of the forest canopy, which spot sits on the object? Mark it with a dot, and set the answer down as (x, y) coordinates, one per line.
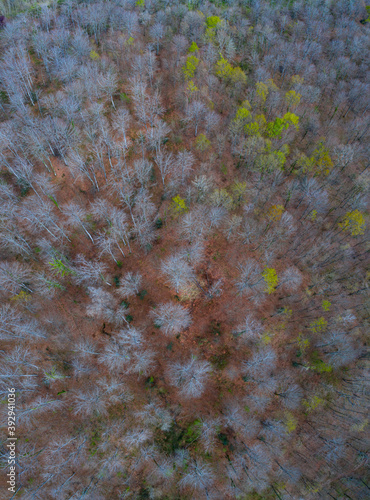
(184, 249)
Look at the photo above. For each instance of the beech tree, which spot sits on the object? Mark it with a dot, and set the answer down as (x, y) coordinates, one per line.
(195, 114)
(166, 164)
(157, 32)
(121, 122)
(199, 476)
(89, 272)
(130, 284)
(191, 377)
(171, 318)
(76, 215)
(178, 271)
(250, 276)
(17, 73)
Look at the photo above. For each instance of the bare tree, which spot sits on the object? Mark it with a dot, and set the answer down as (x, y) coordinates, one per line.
(171, 318)
(177, 271)
(180, 43)
(157, 32)
(291, 279)
(76, 217)
(81, 166)
(157, 134)
(166, 164)
(89, 272)
(130, 284)
(190, 377)
(261, 363)
(121, 122)
(250, 330)
(108, 85)
(198, 476)
(14, 277)
(17, 73)
(101, 302)
(250, 276)
(195, 114)
(184, 163)
(40, 215)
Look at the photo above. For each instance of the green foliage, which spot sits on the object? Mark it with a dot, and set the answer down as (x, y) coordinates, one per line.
(229, 74)
(297, 80)
(190, 66)
(326, 305)
(124, 97)
(212, 24)
(193, 431)
(170, 441)
(60, 267)
(150, 382)
(223, 438)
(275, 212)
(303, 344)
(262, 91)
(266, 338)
(191, 87)
(242, 117)
(53, 375)
(202, 143)
(220, 360)
(271, 279)
(272, 160)
(291, 119)
(319, 163)
(94, 55)
(193, 48)
(319, 325)
(312, 403)
(367, 7)
(293, 98)
(4, 97)
(239, 189)
(22, 296)
(252, 128)
(317, 365)
(290, 423)
(178, 205)
(53, 200)
(35, 10)
(322, 160)
(24, 188)
(53, 284)
(159, 223)
(142, 294)
(276, 128)
(212, 21)
(354, 222)
(223, 68)
(243, 114)
(221, 198)
(215, 328)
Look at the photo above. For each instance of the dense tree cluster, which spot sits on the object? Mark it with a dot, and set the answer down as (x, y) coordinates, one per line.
(183, 191)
